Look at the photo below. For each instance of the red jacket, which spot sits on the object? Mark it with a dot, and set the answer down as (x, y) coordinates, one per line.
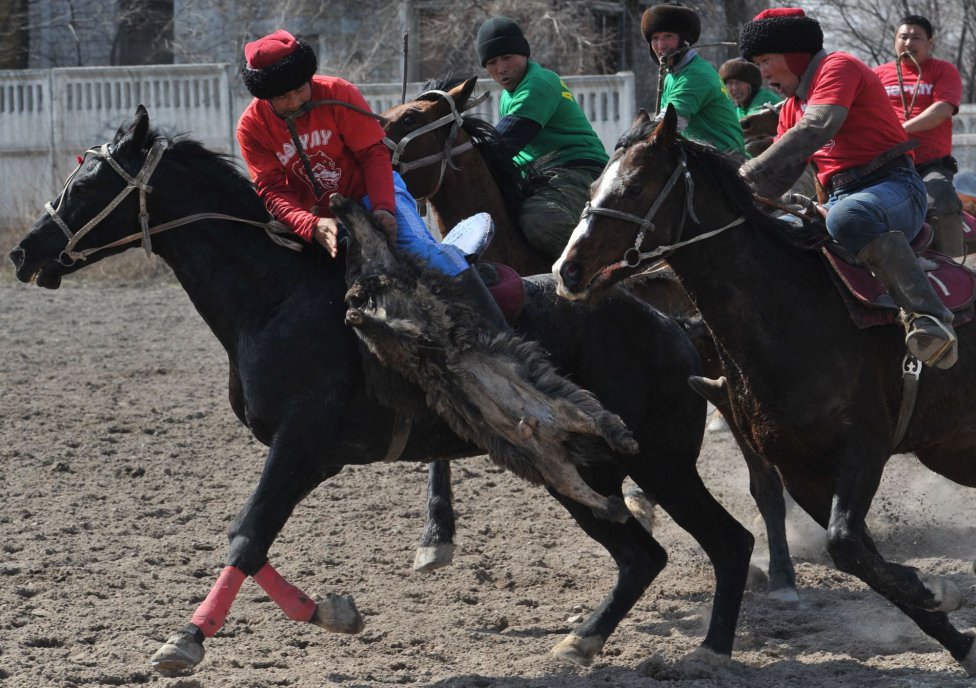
(344, 148)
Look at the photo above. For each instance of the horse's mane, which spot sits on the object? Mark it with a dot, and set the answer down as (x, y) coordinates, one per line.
(216, 167)
(497, 154)
(722, 170)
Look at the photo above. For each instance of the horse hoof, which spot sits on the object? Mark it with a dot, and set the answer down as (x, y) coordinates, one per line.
(178, 656)
(337, 613)
(433, 557)
(784, 596)
(948, 596)
(577, 650)
(968, 662)
(640, 507)
(617, 510)
(702, 655)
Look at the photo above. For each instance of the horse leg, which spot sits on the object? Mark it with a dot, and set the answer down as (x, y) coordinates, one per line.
(682, 494)
(767, 490)
(436, 548)
(639, 558)
(924, 597)
(289, 475)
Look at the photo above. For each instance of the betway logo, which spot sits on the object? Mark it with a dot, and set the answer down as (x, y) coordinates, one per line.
(924, 89)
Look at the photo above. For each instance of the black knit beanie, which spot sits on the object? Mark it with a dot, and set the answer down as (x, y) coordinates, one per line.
(500, 36)
(672, 17)
(743, 71)
(780, 30)
(276, 64)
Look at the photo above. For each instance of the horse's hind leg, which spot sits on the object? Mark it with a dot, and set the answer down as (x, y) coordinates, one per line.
(639, 559)
(681, 493)
(925, 598)
(436, 548)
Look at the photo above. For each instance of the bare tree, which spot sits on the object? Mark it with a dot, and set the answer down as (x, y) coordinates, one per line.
(14, 37)
(866, 28)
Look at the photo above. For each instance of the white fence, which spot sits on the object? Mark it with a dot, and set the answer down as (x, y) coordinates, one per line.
(48, 117)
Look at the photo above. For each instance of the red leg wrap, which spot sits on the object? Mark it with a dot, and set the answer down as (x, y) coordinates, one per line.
(212, 612)
(293, 602)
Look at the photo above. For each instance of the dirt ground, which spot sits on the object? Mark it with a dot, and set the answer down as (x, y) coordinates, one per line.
(122, 465)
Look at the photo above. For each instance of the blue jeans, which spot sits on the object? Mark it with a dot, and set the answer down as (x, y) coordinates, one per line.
(894, 201)
(414, 238)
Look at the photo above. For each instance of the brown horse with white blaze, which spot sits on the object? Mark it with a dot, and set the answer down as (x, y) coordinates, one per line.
(817, 396)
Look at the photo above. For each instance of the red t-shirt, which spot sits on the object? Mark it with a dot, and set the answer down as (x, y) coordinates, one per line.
(344, 148)
(939, 82)
(871, 127)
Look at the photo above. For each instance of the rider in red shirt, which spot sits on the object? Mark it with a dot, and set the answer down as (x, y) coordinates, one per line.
(837, 115)
(300, 150)
(925, 101)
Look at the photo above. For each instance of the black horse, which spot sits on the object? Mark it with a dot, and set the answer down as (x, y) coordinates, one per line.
(296, 380)
(817, 396)
(482, 177)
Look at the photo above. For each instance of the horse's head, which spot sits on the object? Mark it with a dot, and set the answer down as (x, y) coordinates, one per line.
(99, 205)
(422, 136)
(759, 128)
(636, 205)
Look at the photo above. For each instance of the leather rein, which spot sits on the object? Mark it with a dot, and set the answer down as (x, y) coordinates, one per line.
(69, 256)
(633, 256)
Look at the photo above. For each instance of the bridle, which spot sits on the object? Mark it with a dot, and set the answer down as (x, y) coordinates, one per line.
(445, 156)
(633, 256)
(69, 256)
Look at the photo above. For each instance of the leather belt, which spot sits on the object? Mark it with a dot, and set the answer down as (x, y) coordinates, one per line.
(892, 158)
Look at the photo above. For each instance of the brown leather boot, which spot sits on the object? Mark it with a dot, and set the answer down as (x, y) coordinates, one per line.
(715, 391)
(928, 323)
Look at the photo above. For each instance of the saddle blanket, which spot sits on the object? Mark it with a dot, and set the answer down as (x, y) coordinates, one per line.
(870, 305)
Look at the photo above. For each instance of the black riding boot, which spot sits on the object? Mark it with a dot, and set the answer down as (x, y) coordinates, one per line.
(482, 301)
(715, 391)
(928, 323)
(948, 235)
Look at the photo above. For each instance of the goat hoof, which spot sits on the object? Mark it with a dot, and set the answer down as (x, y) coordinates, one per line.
(433, 557)
(578, 650)
(337, 613)
(178, 656)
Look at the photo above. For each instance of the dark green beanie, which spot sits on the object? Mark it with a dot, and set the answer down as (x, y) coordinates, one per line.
(500, 36)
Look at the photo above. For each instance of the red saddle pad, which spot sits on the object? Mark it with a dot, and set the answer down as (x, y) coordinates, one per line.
(869, 303)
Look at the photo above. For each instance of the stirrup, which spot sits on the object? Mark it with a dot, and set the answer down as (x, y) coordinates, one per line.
(946, 355)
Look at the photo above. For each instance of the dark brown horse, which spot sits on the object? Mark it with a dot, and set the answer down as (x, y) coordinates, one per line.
(818, 397)
(297, 380)
(483, 178)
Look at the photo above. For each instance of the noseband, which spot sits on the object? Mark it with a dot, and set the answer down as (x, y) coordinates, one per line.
(634, 256)
(446, 156)
(68, 256)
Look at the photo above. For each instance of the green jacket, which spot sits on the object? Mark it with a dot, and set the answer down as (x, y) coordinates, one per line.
(695, 90)
(544, 98)
(764, 96)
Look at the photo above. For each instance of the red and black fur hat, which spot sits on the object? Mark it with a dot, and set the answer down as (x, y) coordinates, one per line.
(276, 64)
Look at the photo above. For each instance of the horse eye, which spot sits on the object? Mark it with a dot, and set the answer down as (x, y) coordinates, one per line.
(634, 191)
(409, 120)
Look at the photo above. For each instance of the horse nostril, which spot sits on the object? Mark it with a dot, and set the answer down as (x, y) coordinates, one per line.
(571, 274)
(17, 257)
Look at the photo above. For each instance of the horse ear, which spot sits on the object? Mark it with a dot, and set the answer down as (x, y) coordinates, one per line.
(137, 130)
(641, 119)
(462, 92)
(667, 131)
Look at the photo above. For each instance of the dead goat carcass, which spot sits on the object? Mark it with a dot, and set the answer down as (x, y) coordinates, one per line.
(492, 388)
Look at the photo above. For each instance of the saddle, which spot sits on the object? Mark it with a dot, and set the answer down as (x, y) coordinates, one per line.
(870, 305)
(471, 237)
